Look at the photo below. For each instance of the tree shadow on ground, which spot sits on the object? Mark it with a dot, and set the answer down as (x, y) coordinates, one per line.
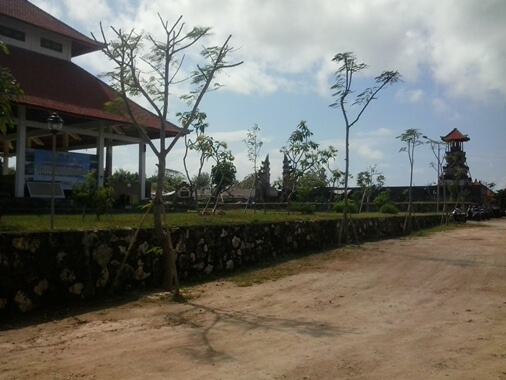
(207, 320)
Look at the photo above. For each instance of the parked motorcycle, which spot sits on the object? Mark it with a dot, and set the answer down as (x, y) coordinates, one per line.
(458, 216)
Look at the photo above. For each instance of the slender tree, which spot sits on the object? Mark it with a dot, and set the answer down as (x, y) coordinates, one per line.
(222, 172)
(412, 139)
(343, 91)
(368, 181)
(152, 75)
(304, 156)
(253, 147)
(198, 145)
(223, 178)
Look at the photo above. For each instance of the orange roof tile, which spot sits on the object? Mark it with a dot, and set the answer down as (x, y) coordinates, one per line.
(455, 135)
(61, 86)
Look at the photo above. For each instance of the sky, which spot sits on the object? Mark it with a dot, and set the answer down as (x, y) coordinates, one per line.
(451, 55)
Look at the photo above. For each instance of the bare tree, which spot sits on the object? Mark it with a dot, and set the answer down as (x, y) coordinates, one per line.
(348, 67)
(152, 75)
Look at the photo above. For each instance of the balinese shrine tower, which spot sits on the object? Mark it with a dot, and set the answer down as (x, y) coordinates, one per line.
(456, 164)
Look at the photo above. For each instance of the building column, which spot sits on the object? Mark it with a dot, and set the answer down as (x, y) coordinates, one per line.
(108, 158)
(100, 155)
(19, 187)
(142, 171)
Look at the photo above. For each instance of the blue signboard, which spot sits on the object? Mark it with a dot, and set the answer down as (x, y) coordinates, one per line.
(69, 168)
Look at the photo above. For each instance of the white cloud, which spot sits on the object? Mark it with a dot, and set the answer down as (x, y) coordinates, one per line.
(378, 133)
(229, 137)
(404, 95)
(463, 44)
(82, 11)
(440, 105)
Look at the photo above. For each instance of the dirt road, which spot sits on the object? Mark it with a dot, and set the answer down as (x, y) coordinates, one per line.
(424, 308)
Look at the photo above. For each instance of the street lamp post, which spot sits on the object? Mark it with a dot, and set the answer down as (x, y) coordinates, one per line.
(54, 124)
(438, 157)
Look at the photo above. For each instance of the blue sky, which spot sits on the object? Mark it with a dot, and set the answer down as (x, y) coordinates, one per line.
(451, 54)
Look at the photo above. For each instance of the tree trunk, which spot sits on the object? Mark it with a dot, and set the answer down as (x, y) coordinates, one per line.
(163, 237)
(343, 231)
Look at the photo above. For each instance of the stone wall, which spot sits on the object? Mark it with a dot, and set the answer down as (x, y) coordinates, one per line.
(40, 269)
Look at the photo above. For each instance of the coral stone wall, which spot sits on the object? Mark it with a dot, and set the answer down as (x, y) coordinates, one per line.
(47, 268)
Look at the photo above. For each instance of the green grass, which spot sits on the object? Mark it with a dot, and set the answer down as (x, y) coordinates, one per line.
(73, 222)
(175, 219)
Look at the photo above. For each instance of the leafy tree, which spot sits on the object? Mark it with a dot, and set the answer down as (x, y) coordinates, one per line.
(201, 182)
(124, 176)
(343, 90)
(220, 172)
(9, 91)
(152, 76)
(253, 146)
(310, 185)
(368, 181)
(173, 179)
(200, 145)
(92, 196)
(223, 178)
(339, 206)
(501, 198)
(304, 156)
(382, 199)
(247, 182)
(412, 139)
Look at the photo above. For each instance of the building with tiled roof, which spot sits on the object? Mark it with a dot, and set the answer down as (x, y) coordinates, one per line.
(456, 168)
(41, 49)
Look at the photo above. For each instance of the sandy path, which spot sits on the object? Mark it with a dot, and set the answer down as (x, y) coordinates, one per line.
(424, 308)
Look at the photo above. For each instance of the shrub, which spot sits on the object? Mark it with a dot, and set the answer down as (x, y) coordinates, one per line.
(352, 207)
(389, 209)
(303, 208)
(382, 199)
(90, 195)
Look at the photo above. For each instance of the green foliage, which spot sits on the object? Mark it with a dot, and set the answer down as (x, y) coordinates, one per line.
(389, 209)
(223, 175)
(201, 181)
(311, 184)
(171, 180)
(368, 181)
(382, 199)
(157, 251)
(92, 196)
(303, 208)
(248, 182)
(178, 219)
(305, 158)
(342, 91)
(253, 145)
(124, 176)
(501, 198)
(352, 207)
(9, 91)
